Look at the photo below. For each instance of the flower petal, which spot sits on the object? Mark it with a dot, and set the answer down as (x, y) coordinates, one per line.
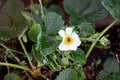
(69, 30)
(73, 47)
(77, 41)
(63, 47)
(61, 33)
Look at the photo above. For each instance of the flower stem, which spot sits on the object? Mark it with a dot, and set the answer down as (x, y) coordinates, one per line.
(24, 49)
(15, 66)
(101, 34)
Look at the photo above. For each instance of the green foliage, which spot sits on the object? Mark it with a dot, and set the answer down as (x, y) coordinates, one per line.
(110, 70)
(53, 63)
(35, 33)
(11, 21)
(113, 6)
(111, 65)
(30, 17)
(86, 29)
(93, 37)
(48, 45)
(12, 76)
(104, 41)
(79, 56)
(36, 51)
(35, 8)
(76, 7)
(44, 24)
(67, 74)
(53, 23)
(55, 8)
(84, 10)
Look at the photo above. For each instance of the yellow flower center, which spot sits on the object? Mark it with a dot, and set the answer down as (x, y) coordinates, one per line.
(68, 40)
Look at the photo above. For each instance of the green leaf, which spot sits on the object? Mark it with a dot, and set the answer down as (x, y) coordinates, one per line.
(73, 20)
(81, 75)
(67, 74)
(111, 65)
(48, 45)
(108, 78)
(65, 62)
(49, 50)
(53, 23)
(113, 6)
(76, 7)
(104, 76)
(79, 56)
(35, 33)
(110, 70)
(32, 17)
(104, 41)
(11, 21)
(86, 29)
(57, 9)
(12, 76)
(38, 54)
(35, 14)
(53, 64)
(117, 76)
(84, 10)
(35, 8)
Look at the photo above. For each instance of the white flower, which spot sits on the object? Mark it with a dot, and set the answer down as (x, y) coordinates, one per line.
(70, 40)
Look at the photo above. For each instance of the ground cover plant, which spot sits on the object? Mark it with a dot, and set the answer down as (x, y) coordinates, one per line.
(44, 41)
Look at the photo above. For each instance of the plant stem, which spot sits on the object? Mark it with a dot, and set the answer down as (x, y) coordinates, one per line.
(16, 51)
(24, 49)
(5, 59)
(26, 53)
(15, 66)
(9, 51)
(41, 10)
(101, 34)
